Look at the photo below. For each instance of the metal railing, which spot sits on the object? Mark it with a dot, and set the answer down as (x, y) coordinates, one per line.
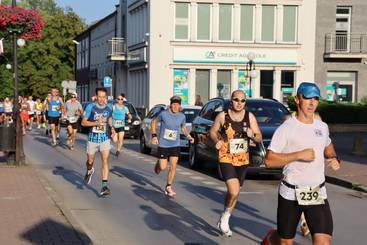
(346, 43)
(117, 48)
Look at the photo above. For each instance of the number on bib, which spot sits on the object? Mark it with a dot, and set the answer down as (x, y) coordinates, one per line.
(309, 196)
(237, 146)
(170, 134)
(119, 123)
(55, 108)
(72, 119)
(100, 129)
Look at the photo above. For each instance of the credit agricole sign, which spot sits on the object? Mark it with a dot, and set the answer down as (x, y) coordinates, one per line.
(234, 55)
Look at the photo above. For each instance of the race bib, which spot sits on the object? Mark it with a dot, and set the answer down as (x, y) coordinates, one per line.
(170, 134)
(126, 128)
(237, 146)
(100, 129)
(119, 123)
(38, 112)
(55, 108)
(309, 196)
(73, 119)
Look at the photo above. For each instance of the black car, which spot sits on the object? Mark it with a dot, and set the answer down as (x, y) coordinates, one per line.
(269, 114)
(131, 129)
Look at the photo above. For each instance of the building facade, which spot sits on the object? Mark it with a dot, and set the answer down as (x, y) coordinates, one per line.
(202, 48)
(341, 49)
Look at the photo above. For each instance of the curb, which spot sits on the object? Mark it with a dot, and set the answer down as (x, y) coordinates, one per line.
(86, 240)
(345, 183)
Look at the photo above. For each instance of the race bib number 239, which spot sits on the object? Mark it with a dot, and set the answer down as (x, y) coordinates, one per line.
(309, 196)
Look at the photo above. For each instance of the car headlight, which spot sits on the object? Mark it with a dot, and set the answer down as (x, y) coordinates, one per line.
(137, 122)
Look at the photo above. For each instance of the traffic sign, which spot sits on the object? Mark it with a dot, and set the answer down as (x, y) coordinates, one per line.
(107, 82)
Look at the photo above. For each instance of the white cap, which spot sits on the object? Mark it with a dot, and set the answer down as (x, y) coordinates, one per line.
(74, 93)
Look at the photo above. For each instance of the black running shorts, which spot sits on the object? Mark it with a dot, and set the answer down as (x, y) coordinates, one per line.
(121, 129)
(73, 125)
(318, 218)
(231, 172)
(53, 120)
(165, 153)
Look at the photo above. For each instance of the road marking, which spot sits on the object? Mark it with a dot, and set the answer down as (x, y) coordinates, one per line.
(209, 183)
(251, 192)
(185, 173)
(197, 177)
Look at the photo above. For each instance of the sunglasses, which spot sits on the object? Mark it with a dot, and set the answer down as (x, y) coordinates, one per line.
(73, 96)
(120, 98)
(306, 98)
(239, 100)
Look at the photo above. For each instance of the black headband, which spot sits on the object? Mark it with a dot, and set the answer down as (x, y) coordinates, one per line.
(175, 101)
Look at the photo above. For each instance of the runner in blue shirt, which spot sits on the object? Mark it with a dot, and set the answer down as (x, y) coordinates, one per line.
(172, 121)
(98, 116)
(55, 105)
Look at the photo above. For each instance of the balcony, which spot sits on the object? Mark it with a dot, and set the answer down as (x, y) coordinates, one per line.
(352, 46)
(117, 49)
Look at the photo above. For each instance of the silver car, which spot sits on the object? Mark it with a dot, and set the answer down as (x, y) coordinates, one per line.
(145, 136)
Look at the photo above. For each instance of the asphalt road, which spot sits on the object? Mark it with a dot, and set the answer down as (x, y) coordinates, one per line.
(137, 212)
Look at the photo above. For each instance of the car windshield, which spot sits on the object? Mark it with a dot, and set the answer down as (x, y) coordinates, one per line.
(190, 114)
(268, 112)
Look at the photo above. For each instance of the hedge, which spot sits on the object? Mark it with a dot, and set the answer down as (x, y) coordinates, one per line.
(332, 112)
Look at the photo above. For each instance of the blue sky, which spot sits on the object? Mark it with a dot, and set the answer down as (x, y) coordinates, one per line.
(90, 10)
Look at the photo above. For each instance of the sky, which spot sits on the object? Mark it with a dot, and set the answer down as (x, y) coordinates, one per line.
(90, 10)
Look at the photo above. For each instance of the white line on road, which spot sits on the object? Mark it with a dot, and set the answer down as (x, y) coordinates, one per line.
(197, 177)
(251, 192)
(210, 183)
(185, 173)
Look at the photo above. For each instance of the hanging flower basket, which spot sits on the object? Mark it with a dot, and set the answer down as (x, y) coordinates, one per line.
(27, 23)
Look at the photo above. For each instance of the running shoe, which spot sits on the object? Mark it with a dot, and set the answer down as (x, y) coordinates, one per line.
(58, 136)
(304, 228)
(266, 240)
(105, 191)
(88, 175)
(117, 153)
(68, 142)
(72, 147)
(157, 169)
(53, 143)
(39, 126)
(223, 226)
(169, 191)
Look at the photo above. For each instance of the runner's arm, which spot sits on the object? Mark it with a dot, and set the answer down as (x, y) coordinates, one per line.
(186, 132)
(153, 126)
(129, 117)
(256, 132)
(86, 123)
(218, 122)
(278, 160)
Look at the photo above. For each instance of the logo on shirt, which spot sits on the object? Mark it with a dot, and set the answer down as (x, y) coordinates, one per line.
(318, 132)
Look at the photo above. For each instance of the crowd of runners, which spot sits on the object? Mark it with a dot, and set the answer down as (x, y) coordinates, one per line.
(301, 146)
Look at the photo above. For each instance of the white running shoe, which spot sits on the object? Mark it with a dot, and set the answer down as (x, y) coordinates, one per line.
(223, 225)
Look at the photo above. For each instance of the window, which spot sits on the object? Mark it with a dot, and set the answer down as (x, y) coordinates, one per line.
(224, 84)
(182, 21)
(267, 23)
(203, 84)
(225, 22)
(246, 23)
(289, 23)
(203, 24)
(342, 30)
(211, 109)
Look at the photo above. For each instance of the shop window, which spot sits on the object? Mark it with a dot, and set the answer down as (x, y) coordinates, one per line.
(224, 83)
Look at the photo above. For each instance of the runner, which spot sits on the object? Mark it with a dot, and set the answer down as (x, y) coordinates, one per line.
(73, 109)
(24, 113)
(55, 105)
(98, 116)
(231, 133)
(31, 112)
(171, 120)
(118, 120)
(8, 110)
(2, 114)
(39, 113)
(301, 145)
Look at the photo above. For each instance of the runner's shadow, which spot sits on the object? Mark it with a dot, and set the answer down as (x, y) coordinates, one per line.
(74, 178)
(218, 196)
(175, 225)
(156, 196)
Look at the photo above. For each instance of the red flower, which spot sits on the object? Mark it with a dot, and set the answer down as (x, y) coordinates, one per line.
(28, 23)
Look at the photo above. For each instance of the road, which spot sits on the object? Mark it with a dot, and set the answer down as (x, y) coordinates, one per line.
(137, 212)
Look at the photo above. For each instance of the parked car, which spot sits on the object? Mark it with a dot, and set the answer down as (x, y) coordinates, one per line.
(269, 114)
(131, 129)
(190, 113)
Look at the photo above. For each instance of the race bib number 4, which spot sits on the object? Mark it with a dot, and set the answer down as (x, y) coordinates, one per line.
(100, 129)
(238, 146)
(309, 196)
(170, 134)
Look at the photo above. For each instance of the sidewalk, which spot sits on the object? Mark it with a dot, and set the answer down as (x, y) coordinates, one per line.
(28, 213)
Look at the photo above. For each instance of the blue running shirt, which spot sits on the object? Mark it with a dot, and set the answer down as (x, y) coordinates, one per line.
(54, 108)
(169, 132)
(118, 116)
(93, 112)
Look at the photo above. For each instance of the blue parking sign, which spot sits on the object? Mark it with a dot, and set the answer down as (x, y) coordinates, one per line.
(107, 82)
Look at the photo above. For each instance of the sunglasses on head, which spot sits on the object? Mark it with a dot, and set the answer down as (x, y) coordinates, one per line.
(239, 100)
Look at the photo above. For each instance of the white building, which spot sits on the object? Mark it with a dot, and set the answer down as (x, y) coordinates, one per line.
(201, 47)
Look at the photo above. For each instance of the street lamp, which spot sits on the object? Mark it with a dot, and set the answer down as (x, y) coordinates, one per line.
(19, 153)
(250, 68)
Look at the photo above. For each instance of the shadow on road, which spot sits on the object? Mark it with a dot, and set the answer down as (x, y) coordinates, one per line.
(53, 232)
(176, 222)
(74, 178)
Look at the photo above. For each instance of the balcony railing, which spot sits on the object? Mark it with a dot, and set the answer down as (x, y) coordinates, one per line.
(346, 44)
(117, 49)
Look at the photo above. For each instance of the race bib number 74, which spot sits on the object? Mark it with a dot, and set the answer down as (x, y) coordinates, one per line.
(309, 196)
(238, 146)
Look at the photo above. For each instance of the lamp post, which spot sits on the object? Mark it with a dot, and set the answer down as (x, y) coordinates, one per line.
(250, 68)
(19, 153)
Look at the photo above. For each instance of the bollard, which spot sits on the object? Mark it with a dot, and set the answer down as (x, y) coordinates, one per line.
(358, 146)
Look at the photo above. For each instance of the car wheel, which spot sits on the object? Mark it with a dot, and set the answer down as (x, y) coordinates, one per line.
(193, 157)
(143, 147)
